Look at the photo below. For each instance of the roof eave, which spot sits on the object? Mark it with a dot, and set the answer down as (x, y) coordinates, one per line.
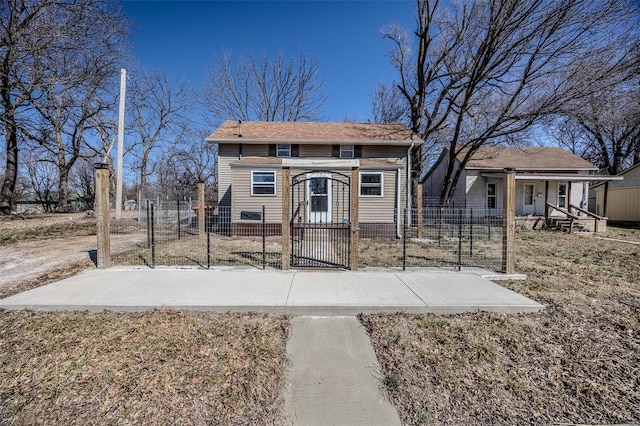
(533, 170)
(260, 141)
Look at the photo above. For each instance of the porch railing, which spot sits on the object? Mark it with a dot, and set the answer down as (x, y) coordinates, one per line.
(570, 216)
(597, 220)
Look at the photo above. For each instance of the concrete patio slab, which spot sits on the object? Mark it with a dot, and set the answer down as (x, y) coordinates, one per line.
(463, 292)
(350, 289)
(283, 292)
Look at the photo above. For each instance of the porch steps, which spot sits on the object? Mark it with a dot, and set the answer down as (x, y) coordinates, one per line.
(566, 225)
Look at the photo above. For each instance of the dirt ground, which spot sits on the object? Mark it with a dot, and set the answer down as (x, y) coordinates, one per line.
(38, 249)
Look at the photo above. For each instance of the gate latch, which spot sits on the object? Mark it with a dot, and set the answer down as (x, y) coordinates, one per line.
(353, 228)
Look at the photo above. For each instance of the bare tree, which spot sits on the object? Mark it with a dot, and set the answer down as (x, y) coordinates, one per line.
(484, 71)
(155, 111)
(604, 127)
(41, 41)
(67, 113)
(198, 158)
(277, 89)
(387, 105)
(82, 182)
(42, 181)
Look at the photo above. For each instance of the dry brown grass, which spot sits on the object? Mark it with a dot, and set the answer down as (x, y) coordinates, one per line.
(43, 226)
(191, 250)
(160, 367)
(575, 362)
(430, 253)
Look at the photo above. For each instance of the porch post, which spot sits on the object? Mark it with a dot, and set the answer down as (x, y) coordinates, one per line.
(509, 225)
(102, 215)
(355, 235)
(286, 219)
(201, 212)
(606, 197)
(419, 209)
(546, 200)
(569, 196)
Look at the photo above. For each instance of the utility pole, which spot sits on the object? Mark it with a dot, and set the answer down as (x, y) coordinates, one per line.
(123, 90)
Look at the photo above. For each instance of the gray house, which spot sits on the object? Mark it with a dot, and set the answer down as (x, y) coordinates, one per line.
(544, 176)
(321, 156)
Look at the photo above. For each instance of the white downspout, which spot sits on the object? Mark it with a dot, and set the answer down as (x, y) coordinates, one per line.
(398, 201)
(408, 219)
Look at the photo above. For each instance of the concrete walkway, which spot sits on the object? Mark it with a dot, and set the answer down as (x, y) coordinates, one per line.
(284, 292)
(334, 375)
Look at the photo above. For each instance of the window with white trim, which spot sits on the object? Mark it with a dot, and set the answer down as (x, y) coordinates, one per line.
(263, 183)
(492, 195)
(283, 150)
(346, 151)
(371, 184)
(562, 195)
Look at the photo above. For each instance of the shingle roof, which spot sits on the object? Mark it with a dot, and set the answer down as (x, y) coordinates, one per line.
(312, 131)
(527, 158)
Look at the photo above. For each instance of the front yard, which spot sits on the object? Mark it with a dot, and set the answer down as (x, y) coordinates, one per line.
(161, 367)
(576, 362)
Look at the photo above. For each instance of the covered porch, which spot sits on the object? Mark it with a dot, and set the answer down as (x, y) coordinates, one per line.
(554, 201)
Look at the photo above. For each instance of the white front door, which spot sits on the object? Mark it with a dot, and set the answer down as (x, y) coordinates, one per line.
(318, 198)
(529, 204)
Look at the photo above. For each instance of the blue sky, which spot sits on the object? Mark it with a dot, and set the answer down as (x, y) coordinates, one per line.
(185, 37)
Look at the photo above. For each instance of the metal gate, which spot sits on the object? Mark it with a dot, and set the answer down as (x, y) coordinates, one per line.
(320, 220)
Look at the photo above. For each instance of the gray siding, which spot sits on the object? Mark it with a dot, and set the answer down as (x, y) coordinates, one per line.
(372, 209)
(244, 201)
(227, 153)
(380, 209)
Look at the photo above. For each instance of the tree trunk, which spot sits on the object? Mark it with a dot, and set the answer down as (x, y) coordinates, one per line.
(11, 169)
(63, 190)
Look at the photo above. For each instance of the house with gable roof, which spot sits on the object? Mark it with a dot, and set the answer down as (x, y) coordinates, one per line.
(320, 157)
(550, 181)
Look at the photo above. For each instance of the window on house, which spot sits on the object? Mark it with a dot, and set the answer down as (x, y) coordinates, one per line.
(346, 151)
(491, 195)
(371, 184)
(283, 150)
(263, 183)
(528, 194)
(562, 195)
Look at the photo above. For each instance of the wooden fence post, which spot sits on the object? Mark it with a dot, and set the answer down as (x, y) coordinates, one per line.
(286, 219)
(103, 255)
(355, 231)
(201, 212)
(509, 225)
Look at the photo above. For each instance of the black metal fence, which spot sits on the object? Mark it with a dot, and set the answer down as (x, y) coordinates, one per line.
(169, 235)
(452, 238)
(463, 237)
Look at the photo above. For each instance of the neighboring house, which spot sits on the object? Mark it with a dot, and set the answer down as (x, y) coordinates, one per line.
(32, 204)
(622, 199)
(544, 175)
(321, 156)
